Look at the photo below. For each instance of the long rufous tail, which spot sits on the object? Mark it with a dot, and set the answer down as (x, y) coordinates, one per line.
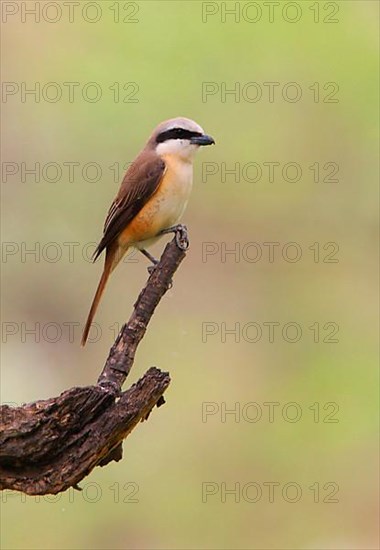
(112, 259)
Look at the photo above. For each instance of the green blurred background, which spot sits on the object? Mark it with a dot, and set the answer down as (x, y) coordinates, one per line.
(155, 497)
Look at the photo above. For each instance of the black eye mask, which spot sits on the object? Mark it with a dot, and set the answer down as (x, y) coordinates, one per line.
(176, 133)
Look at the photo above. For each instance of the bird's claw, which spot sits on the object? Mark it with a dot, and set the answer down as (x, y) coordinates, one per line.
(151, 268)
(181, 237)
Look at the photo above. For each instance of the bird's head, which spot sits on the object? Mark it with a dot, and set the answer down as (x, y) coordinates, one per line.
(179, 136)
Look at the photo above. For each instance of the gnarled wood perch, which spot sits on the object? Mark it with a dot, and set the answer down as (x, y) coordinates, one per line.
(51, 445)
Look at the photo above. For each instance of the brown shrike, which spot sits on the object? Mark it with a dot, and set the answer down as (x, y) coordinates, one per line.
(152, 197)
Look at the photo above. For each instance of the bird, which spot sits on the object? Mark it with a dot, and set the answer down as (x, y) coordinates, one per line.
(152, 197)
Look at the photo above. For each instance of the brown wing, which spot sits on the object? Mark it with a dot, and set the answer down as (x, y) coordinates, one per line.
(141, 180)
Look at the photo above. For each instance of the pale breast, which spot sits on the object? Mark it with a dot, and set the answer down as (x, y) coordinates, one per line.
(174, 191)
(165, 207)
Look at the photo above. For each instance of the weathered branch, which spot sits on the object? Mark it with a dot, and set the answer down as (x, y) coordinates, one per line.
(51, 445)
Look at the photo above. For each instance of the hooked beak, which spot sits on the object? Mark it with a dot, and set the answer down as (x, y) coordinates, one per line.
(202, 140)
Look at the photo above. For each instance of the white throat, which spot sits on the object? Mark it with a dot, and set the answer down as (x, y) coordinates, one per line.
(181, 148)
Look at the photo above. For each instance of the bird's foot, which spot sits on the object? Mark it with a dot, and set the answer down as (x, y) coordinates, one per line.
(150, 268)
(181, 237)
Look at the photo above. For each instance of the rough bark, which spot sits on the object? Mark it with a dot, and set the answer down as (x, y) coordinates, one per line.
(51, 445)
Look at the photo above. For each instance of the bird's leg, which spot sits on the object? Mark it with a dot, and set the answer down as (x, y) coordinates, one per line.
(151, 258)
(181, 237)
(151, 268)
